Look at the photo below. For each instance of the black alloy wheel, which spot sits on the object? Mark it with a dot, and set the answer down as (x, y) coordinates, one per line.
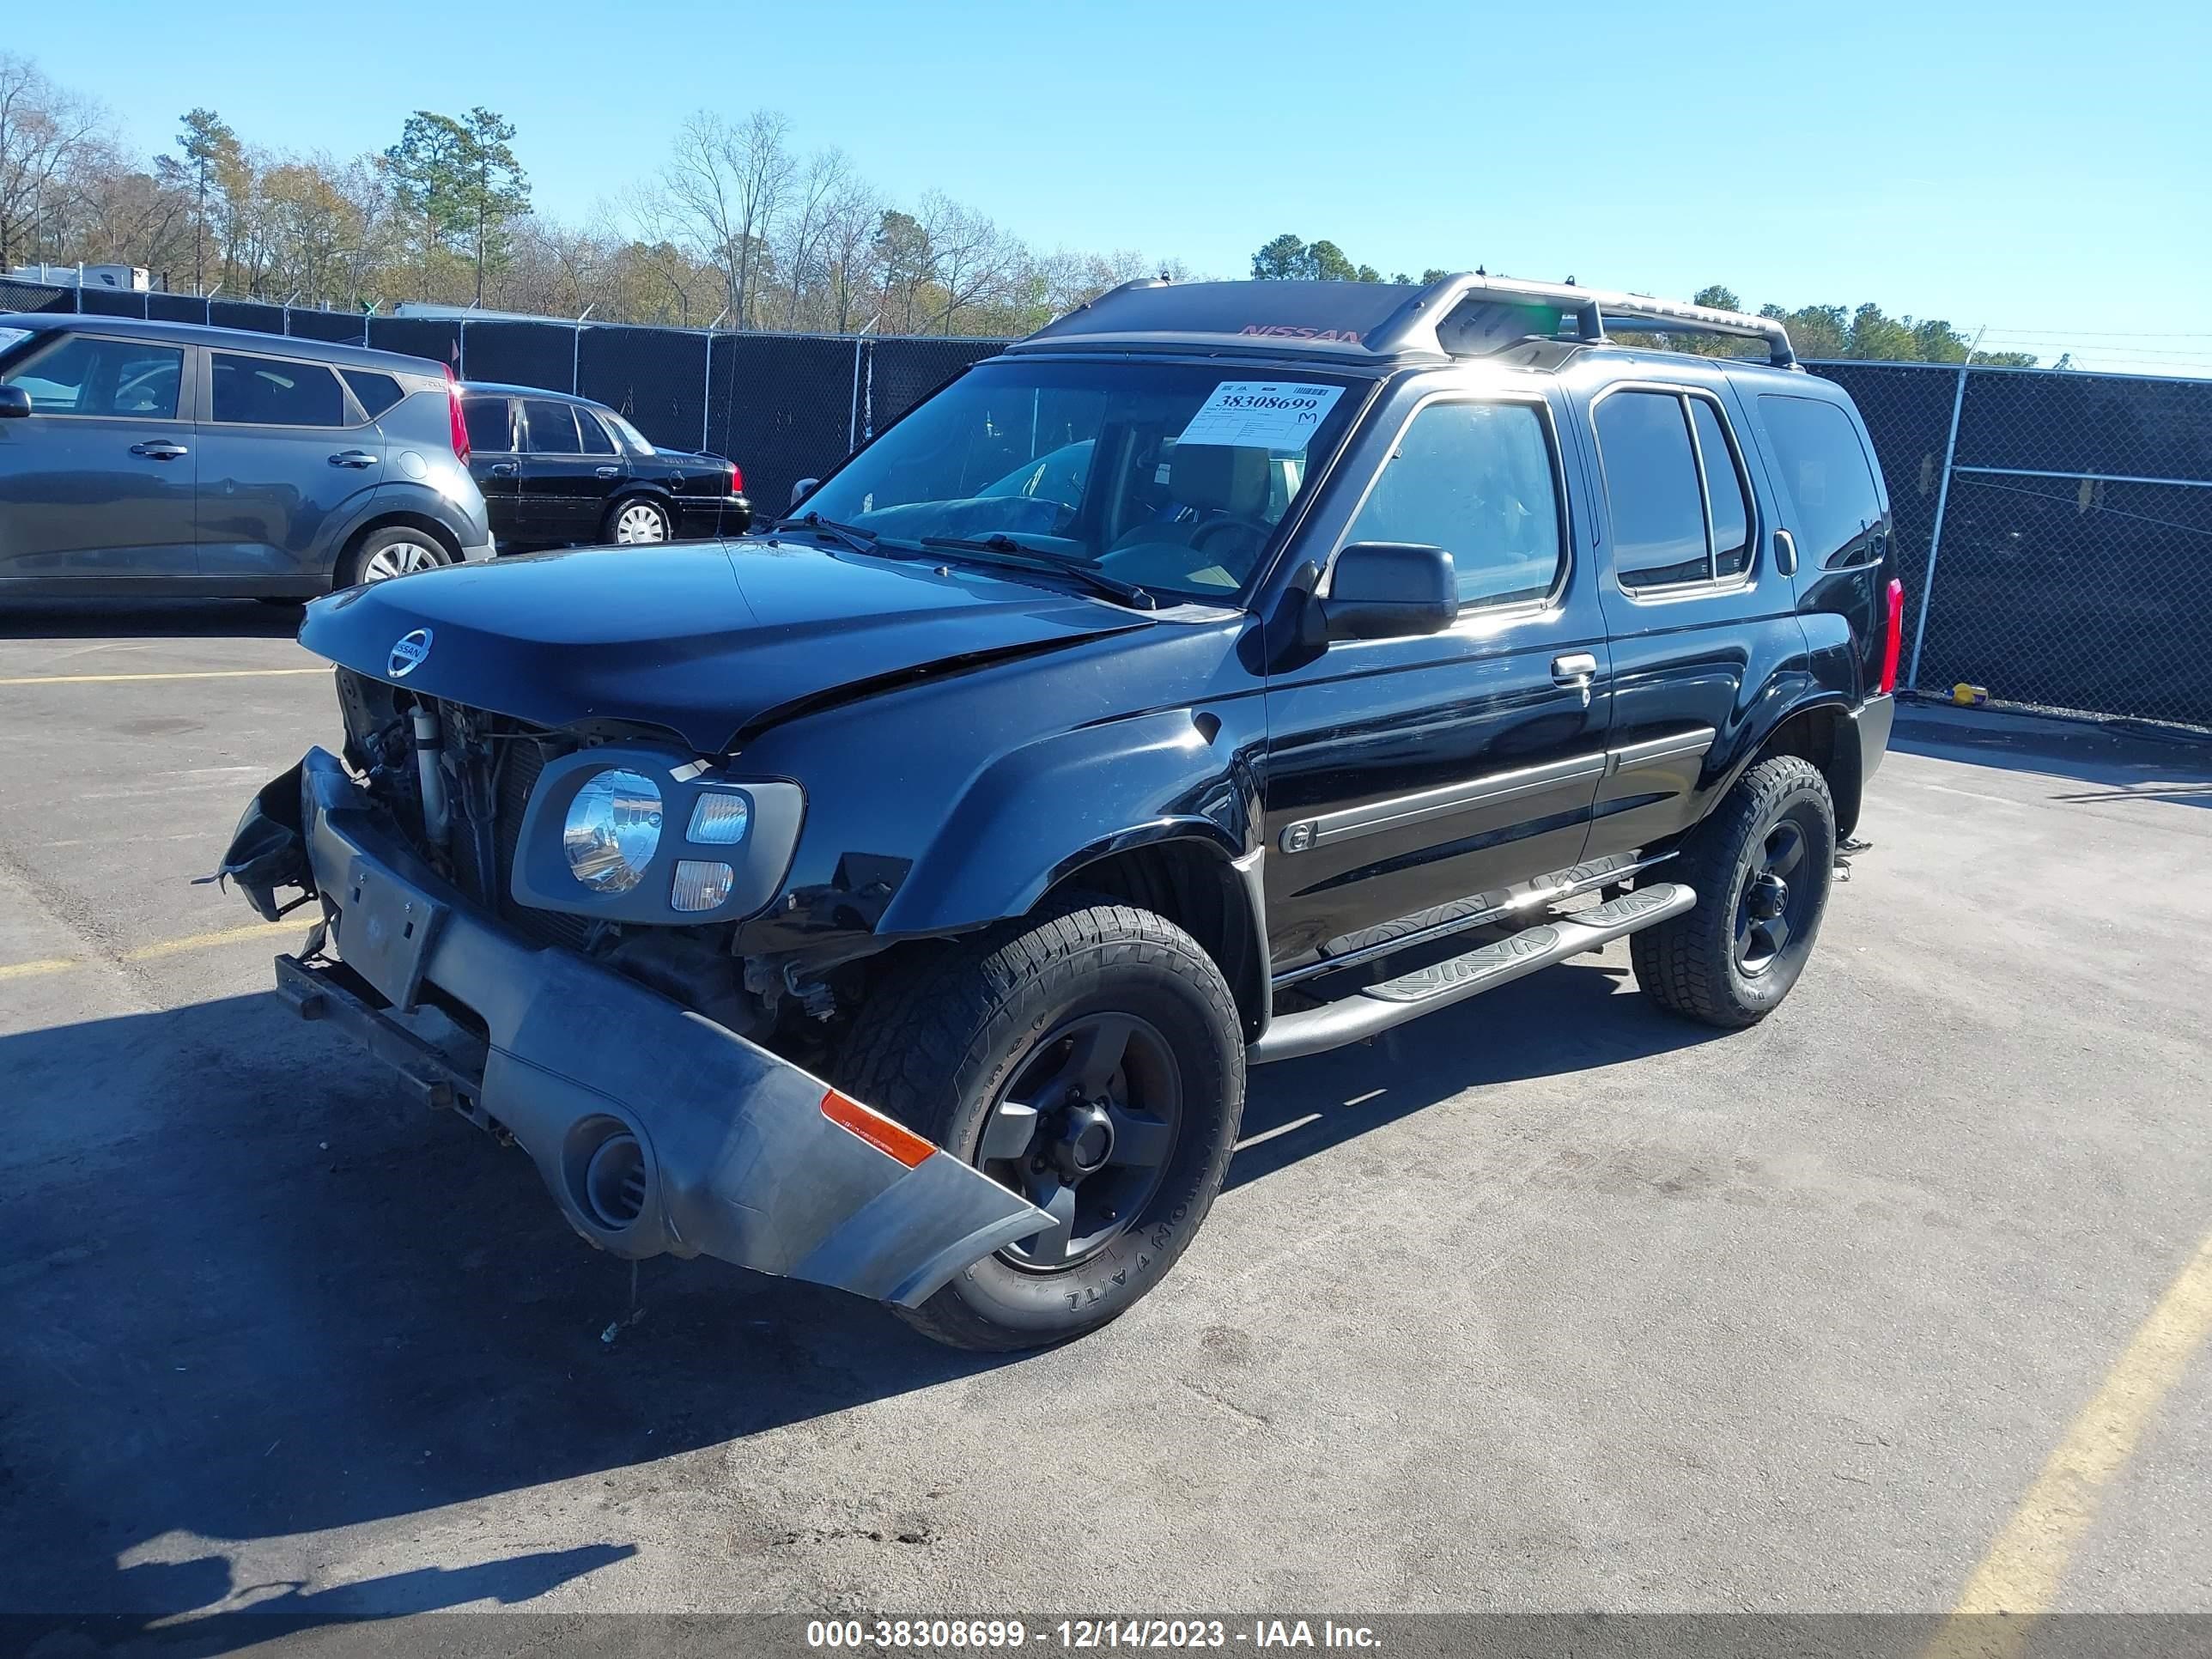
(1084, 1132)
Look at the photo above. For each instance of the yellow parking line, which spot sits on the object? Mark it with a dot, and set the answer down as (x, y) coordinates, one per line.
(2019, 1576)
(168, 947)
(226, 936)
(198, 674)
(26, 969)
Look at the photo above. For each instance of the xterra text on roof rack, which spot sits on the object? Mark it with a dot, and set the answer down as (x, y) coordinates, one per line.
(1223, 673)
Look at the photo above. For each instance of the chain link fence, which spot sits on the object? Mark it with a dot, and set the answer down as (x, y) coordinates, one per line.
(2054, 531)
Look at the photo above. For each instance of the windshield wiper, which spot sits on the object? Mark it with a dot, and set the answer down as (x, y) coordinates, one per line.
(1002, 550)
(859, 540)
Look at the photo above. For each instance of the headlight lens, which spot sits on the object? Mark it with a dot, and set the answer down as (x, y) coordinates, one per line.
(720, 820)
(701, 884)
(612, 829)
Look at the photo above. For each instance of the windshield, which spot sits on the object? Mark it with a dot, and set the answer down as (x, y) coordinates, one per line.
(1169, 475)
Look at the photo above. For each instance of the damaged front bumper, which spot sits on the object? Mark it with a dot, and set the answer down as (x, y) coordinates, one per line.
(656, 1130)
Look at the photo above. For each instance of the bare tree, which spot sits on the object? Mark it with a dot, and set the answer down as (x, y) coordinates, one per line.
(850, 267)
(730, 182)
(46, 137)
(816, 189)
(658, 232)
(971, 260)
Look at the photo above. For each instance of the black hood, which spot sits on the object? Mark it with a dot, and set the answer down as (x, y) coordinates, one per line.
(705, 638)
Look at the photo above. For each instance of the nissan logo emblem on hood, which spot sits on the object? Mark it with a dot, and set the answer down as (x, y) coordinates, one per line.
(408, 652)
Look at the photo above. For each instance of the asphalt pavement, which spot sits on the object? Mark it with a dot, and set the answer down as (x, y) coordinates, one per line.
(1546, 1302)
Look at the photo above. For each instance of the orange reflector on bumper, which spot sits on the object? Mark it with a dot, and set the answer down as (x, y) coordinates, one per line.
(878, 1131)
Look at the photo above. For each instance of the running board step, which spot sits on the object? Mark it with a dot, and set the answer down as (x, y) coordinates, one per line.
(1376, 1008)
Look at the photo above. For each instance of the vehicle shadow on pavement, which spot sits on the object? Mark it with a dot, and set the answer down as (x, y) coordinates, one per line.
(249, 1295)
(252, 1296)
(269, 1610)
(173, 619)
(1570, 1018)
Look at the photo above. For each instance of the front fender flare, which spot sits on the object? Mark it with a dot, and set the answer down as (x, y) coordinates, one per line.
(1047, 808)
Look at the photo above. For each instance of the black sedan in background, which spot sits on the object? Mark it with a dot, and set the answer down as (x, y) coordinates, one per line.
(563, 472)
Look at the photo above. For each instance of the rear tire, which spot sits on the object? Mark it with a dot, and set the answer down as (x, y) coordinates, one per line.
(396, 549)
(636, 521)
(1761, 865)
(954, 1041)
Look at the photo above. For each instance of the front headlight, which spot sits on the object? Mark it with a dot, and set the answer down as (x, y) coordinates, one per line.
(612, 828)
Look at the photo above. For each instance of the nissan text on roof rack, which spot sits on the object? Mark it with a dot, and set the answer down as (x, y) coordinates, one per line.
(897, 897)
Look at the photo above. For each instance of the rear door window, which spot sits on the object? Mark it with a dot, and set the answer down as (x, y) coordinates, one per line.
(84, 374)
(1652, 488)
(551, 427)
(1824, 476)
(491, 425)
(272, 391)
(1476, 480)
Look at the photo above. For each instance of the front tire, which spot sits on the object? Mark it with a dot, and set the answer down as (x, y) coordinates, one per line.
(1761, 866)
(1091, 1058)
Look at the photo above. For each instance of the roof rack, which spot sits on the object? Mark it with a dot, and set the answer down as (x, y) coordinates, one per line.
(1464, 316)
(1460, 316)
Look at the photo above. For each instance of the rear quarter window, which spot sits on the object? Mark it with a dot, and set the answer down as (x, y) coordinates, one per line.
(375, 392)
(1824, 476)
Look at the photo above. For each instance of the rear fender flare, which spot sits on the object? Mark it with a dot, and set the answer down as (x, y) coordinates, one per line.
(388, 503)
(1843, 768)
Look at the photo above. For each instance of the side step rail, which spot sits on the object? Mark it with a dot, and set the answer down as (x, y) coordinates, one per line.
(1375, 1008)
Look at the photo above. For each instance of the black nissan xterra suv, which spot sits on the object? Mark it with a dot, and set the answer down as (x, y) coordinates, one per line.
(1225, 672)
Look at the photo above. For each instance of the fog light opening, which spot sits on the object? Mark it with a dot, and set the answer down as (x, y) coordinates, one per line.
(614, 1182)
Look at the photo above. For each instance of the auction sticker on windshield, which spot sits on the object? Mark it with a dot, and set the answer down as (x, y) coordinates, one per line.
(1262, 414)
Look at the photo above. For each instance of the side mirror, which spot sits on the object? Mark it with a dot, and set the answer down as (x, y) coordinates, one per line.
(1390, 590)
(15, 402)
(802, 490)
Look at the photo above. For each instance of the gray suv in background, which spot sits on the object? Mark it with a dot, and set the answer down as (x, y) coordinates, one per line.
(143, 458)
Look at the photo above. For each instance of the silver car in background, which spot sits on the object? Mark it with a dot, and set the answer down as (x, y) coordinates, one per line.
(141, 459)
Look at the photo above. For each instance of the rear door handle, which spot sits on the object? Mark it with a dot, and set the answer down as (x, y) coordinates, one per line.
(1577, 668)
(609, 472)
(353, 458)
(503, 469)
(159, 449)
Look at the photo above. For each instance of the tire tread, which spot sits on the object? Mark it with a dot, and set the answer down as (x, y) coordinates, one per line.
(1683, 963)
(939, 1015)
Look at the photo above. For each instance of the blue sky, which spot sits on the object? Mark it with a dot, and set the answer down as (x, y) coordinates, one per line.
(2045, 171)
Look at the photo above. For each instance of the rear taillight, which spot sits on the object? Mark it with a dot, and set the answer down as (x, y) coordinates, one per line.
(1893, 636)
(736, 480)
(454, 410)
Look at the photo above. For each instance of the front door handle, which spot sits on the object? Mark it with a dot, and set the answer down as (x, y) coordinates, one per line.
(503, 469)
(353, 458)
(609, 472)
(1576, 668)
(159, 449)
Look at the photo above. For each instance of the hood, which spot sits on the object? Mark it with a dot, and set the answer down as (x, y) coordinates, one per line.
(708, 639)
